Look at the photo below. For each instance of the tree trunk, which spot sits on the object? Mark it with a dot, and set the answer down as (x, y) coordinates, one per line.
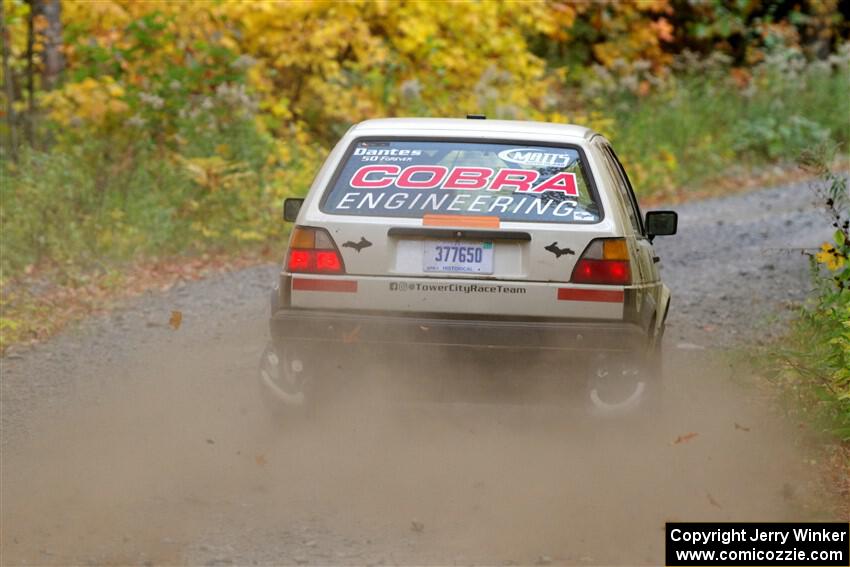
(54, 60)
(28, 123)
(8, 87)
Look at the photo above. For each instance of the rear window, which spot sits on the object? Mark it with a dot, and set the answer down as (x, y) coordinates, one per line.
(411, 179)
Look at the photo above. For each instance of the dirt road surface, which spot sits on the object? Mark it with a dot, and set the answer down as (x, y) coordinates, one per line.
(127, 442)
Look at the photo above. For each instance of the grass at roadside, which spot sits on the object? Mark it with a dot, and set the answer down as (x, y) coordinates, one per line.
(811, 364)
(36, 307)
(705, 124)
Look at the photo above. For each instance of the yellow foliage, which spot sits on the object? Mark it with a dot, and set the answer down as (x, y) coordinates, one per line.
(92, 101)
(315, 65)
(830, 257)
(215, 173)
(630, 35)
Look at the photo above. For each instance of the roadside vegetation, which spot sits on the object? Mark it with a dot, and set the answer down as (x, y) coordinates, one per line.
(142, 135)
(810, 364)
(813, 362)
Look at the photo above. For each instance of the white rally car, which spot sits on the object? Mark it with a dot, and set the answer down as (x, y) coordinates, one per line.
(489, 235)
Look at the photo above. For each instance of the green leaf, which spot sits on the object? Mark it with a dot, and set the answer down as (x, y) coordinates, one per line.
(823, 394)
(842, 433)
(839, 237)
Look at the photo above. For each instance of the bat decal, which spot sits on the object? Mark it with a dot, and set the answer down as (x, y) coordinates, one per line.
(558, 252)
(358, 245)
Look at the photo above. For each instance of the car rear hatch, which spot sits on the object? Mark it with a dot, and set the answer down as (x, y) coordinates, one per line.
(441, 226)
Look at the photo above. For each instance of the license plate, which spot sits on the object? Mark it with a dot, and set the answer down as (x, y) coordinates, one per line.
(458, 257)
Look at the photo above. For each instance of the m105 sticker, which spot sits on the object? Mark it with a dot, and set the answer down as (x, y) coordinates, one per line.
(535, 158)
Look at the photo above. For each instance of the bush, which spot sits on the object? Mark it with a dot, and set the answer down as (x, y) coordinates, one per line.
(706, 119)
(159, 157)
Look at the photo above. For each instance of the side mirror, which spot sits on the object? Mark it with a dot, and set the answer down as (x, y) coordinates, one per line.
(291, 208)
(661, 223)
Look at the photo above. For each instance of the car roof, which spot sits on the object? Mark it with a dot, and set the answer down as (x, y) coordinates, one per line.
(459, 125)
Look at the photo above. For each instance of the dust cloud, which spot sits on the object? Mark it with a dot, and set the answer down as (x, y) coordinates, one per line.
(175, 461)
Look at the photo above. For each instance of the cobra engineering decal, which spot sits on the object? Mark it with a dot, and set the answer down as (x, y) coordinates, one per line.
(463, 178)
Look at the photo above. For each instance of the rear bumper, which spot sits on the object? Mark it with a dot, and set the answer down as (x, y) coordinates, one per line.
(347, 327)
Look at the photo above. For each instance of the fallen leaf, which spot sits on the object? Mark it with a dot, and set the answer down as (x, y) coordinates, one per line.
(351, 337)
(176, 319)
(685, 438)
(712, 501)
(210, 441)
(417, 526)
(741, 427)
(260, 460)
(741, 77)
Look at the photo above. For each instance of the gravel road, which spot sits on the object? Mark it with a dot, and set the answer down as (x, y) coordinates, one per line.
(127, 442)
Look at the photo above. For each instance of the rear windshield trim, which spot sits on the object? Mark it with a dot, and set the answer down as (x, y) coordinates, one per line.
(591, 182)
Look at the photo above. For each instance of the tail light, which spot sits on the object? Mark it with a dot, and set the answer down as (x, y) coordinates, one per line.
(604, 261)
(312, 251)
